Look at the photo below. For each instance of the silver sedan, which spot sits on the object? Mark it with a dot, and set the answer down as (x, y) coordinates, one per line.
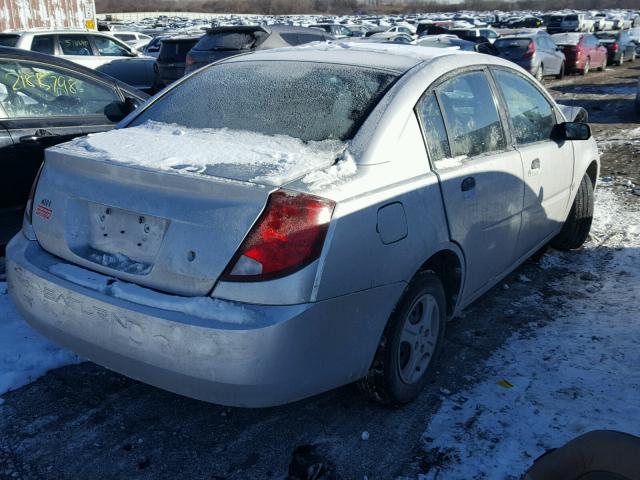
(282, 223)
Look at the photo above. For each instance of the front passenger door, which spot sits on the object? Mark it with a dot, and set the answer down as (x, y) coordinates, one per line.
(548, 165)
(480, 176)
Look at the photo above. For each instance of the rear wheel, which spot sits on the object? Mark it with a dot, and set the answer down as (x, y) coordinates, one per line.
(587, 66)
(409, 345)
(560, 74)
(578, 224)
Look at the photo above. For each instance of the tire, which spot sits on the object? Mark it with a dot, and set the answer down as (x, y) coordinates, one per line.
(578, 224)
(587, 67)
(540, 73)
(560, 74)
(603, 67)
(396, 375)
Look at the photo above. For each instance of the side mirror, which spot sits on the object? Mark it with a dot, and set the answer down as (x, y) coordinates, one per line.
(116, 111)
(571, 131)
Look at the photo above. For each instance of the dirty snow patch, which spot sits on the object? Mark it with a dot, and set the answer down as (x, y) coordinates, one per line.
(217, 152)
(573, 374)
(25, 355)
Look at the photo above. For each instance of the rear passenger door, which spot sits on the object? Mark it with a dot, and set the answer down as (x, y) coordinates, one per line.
(548, 165)
(480, 176)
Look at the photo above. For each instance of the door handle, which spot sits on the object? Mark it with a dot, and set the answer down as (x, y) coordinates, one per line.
(535, 164)
(467, 184)
(37, 136)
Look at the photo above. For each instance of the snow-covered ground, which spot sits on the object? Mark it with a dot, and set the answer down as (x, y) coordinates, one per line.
(561, 378)
(25, 355)
(549, 383)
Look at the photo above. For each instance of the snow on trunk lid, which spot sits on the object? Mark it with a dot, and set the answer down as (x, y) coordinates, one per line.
(216, 152)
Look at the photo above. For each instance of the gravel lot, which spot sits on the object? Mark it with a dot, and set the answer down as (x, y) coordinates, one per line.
(83, 421)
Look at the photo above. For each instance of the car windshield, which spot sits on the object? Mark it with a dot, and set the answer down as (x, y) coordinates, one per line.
(305, 100)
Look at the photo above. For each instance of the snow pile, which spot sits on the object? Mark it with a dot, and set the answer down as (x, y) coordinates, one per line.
(24, 354)
(341, 170)
(221, 311)
(575, 374)
(219, 152)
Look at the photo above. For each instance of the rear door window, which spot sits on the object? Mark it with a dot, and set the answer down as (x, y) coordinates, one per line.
(75, 45)
(471, 114)
(31, 89)
(43, 44)
(531, 115)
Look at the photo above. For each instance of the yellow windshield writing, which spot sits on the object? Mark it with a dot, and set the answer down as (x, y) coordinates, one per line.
(45, 81)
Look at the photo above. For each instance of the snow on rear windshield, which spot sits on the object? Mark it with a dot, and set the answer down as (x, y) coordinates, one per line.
(223, 153)
(566, 39)
(304, 100)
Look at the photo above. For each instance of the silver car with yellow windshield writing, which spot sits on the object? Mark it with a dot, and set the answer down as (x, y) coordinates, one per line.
(285, 222)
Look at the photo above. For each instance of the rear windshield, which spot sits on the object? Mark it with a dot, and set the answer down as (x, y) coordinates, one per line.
(309, 101)
(606, 36)
(9, 40)
(565, 39)
(571, 18)
(175, 51)
(229, 40)
(506, 43)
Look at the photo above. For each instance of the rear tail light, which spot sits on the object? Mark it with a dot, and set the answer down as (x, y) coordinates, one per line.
(531, 49)
(288, 236)
(615, 47)
(189, 60)
(28, 212)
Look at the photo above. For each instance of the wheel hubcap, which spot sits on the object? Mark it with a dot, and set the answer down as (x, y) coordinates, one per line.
(418, 339)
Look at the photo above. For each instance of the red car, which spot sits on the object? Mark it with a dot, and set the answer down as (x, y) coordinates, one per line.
(582, 51)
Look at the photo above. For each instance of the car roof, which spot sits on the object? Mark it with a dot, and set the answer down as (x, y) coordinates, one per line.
(396, 57)
(61, 62)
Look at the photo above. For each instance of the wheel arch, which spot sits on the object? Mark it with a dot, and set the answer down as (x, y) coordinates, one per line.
(592, 172)
(448, 265)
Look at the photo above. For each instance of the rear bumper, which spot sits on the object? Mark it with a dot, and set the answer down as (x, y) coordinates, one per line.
(294, 351)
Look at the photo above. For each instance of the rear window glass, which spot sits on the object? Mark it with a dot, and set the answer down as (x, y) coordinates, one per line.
(228, 40)
(9, 40)
(175, 51)
(571, 18)
(309, 101)
(505, 43)
(566, 39)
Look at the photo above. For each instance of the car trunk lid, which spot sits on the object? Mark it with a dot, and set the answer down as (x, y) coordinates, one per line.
(170, 225)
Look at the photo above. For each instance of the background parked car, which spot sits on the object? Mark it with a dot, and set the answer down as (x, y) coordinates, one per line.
(334, 29)
(582, 51)
(99, 51)
(152, 49)
(223, 42)
(472, 34)
(131, 38)
(448, 42)
(172, 58)
(66, 101)
(620, 47)
(536, 53)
